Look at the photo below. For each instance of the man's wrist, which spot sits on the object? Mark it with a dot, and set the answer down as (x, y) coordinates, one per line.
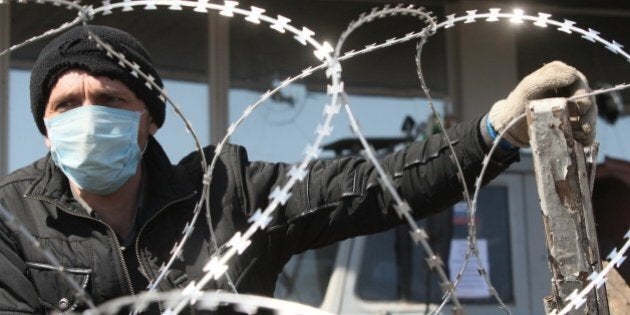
(491, 134)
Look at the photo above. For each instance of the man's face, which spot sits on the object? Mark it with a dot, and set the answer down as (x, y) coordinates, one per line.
(76, 88)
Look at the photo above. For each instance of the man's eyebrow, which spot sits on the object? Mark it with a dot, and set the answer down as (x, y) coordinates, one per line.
(107, 90)
(63, 95)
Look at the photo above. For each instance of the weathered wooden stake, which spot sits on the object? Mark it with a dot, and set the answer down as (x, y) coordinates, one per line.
(565, 198)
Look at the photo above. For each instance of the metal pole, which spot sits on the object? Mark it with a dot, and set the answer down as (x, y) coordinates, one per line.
(565, 198)
(5, 32)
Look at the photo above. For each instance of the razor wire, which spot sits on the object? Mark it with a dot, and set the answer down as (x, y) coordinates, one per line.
(577, 298)
(618, 87)
(210, 301)
(279, 196)
(237, 243)
(126, 7)
(280, 24)
(542, 20)
(402, 208)
(472, 232)
(86, 13)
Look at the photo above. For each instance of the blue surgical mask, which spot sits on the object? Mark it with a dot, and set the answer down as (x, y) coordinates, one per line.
(95, 146)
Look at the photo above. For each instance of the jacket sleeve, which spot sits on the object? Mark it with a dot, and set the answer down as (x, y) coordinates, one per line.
(17, 293)
(342, 198)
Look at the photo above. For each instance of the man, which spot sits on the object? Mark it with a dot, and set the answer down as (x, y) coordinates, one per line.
(108, 204)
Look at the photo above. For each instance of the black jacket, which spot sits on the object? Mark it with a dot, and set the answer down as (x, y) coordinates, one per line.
(338, 199)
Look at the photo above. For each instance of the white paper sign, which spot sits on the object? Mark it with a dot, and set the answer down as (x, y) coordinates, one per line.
(472, 285)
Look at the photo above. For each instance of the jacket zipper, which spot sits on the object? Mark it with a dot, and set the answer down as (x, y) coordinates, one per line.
(137, 252)
(111, 232)
(142, 267)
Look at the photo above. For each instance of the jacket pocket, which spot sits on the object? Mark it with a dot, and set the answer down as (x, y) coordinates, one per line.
(57, 290)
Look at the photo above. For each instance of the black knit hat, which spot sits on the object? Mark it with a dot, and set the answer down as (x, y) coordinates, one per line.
(74, 50)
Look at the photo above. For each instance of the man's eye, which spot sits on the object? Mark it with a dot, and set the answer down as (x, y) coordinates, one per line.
(65, 106)
(115, 100)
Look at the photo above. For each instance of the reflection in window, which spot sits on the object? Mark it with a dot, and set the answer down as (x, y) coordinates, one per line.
(279, 129)
(192, 98)
(26, 144)
(493, 237)
(306, 276)
(393, 268)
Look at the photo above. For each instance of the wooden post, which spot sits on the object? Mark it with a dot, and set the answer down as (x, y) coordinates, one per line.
(565, 198)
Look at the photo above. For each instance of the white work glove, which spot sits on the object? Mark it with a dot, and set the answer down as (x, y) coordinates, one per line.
(555, 79)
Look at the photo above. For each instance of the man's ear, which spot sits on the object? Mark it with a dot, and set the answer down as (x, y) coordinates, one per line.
(153, 128)
(47, 141)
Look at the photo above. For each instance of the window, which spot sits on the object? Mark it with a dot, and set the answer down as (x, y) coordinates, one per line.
(399, 271)
(393, 267)
(280, 129)
(26, 144)
(305, 277)
(493, 239)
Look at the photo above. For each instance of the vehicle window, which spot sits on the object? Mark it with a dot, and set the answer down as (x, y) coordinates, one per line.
(393, 268)
(305, 277)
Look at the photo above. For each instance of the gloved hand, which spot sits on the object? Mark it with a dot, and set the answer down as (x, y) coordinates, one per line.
(555, 79)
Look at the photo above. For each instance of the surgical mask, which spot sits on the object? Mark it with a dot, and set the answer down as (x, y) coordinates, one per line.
(96, 147)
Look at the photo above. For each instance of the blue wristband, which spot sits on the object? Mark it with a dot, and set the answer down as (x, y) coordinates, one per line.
(503, 144)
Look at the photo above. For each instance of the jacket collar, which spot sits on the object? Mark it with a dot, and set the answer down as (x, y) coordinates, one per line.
(164, 183)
